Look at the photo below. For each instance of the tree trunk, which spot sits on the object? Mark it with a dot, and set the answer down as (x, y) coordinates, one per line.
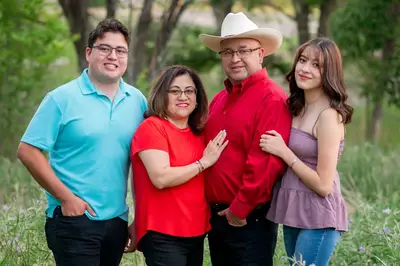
(76, 13)
(302, 9)
(139, 58)
(220, 10)
(169, 21)
(111, 8)
(327, 7)
(388, 51)
(374, 125)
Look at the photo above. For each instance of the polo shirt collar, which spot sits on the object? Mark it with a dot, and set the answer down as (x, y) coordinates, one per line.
(87, 86)
(248, 82)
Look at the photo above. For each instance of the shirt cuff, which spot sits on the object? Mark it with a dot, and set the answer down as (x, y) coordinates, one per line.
(240, 209)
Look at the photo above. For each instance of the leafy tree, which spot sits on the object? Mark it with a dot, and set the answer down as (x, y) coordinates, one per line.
(31, 38)
(368, 35)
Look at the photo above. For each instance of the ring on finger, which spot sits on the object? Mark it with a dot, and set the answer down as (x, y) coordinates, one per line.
(218, 144)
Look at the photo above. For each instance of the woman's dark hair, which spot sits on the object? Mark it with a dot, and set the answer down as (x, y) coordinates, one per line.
(108, 25)
(158, 97)
(332, 78)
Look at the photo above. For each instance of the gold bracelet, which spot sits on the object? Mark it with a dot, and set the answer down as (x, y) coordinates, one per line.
(293, 162)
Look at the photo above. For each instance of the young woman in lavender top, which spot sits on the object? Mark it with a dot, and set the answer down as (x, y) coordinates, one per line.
(307, 200)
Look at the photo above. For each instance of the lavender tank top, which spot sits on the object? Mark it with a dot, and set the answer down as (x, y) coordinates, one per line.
(294, 204)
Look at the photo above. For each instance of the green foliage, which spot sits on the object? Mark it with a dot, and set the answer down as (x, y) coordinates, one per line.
(373, 229)
(370, 171)
(96, 3)
(32, 37)
(185, 48)
(390, 128)
(361, 29)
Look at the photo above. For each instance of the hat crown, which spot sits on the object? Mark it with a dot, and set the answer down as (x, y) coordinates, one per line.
(236, 23)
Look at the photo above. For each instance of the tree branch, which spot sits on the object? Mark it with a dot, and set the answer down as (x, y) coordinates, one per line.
(280, 10)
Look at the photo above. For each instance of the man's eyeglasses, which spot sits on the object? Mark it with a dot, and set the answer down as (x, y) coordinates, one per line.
(242, 53)
(106, 50)
(187, 92)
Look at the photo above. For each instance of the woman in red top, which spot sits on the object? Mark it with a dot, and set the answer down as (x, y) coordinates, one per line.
(168, 156)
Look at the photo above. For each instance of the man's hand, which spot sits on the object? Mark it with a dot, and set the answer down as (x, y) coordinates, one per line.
(131, 241)
(75, 206)
(232, 219)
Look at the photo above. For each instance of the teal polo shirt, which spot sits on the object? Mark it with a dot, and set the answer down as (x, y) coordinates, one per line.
(88, 139)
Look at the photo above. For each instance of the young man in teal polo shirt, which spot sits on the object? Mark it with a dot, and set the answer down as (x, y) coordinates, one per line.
(86, 126)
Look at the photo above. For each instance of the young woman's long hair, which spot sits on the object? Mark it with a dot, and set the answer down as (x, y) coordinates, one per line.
(331, 70)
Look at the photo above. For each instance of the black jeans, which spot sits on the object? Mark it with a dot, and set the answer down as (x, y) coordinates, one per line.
(250, 245)
(78, 241)
(165, 250)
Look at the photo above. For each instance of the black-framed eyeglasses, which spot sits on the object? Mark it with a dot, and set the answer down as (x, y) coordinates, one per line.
(242, 53)
(106, 50)
(187, 92)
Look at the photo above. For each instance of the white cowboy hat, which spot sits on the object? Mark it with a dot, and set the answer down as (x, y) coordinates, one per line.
(240, 26)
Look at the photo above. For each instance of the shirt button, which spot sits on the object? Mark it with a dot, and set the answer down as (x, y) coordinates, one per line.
(224, 113)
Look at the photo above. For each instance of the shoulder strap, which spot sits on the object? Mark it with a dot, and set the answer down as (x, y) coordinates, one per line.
(312, 130)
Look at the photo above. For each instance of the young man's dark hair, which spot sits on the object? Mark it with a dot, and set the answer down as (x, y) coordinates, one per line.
(108, 25)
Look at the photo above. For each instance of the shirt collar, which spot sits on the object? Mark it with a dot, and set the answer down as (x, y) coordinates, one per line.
(249, 81)
(87, 87)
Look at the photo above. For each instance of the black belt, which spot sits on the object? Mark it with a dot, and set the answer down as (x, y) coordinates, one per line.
(223, 206)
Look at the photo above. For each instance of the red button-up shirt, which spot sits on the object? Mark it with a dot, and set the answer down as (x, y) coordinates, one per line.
(244, 174)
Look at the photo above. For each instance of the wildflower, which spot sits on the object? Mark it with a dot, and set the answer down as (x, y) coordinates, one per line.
(386, 211)
(386, 230)
(362, 249)
(16, 238)
(6, 207)
(18, 249)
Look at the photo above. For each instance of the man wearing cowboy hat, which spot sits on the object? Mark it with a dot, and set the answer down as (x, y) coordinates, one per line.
(239, 185)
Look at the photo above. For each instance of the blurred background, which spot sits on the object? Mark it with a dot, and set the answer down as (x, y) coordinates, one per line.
(43, 46)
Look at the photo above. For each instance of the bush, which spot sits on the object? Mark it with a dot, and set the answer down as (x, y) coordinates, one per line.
(33, 37)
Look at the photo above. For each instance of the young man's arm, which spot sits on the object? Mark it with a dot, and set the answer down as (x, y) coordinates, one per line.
(41, 134)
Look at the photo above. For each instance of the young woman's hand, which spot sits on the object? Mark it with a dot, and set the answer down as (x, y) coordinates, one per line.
(272, 142)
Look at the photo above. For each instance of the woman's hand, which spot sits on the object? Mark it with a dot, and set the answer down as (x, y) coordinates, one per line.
(272, 142)
(214, 149)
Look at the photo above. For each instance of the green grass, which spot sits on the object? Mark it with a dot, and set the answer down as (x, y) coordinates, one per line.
(370, 184)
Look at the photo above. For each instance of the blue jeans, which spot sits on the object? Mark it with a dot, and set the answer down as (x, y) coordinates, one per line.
(314, 246)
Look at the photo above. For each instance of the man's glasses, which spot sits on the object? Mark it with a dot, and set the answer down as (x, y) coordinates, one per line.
(242, 53)
(106, 50)
(187, 92)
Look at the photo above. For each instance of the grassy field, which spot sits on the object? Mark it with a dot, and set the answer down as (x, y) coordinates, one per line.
(370, 183)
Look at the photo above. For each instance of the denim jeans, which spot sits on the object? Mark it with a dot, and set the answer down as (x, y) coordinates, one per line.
(250, 245)
(165, 250)
(77, 240)
(314, 246)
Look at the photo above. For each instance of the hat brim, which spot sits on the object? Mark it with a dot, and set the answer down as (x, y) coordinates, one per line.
(270, 39)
